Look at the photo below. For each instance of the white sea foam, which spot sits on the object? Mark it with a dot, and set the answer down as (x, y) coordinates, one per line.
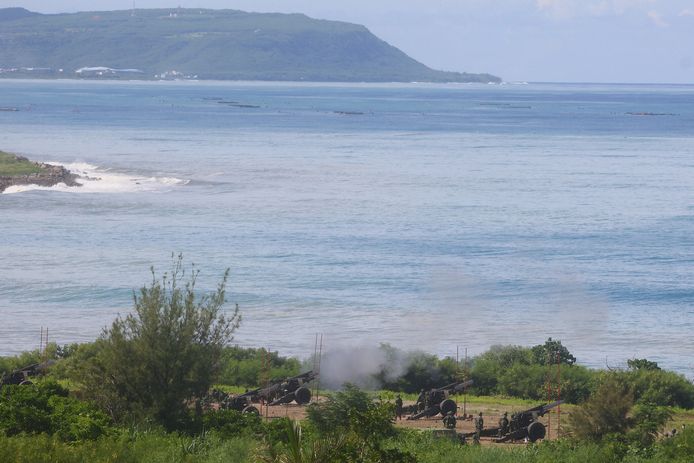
(99, 180)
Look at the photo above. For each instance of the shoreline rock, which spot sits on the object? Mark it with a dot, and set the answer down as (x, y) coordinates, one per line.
(49, 176)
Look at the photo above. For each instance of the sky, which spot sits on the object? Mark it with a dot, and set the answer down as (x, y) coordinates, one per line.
(630, 41)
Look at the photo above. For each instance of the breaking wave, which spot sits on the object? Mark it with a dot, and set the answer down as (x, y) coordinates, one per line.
(100, 180)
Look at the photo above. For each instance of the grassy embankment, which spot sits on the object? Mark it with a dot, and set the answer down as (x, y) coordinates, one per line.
(11, 165)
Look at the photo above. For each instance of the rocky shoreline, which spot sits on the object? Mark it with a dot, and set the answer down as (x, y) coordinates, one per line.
(49, 175)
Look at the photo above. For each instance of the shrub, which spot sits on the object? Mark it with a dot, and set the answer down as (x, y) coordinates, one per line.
(245, 366)
(232, 423)
(352, 410)
(46, 408)
(606, 412)
(157, 360)
(660, 387)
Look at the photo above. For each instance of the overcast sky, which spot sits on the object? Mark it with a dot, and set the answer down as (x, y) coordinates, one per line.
(519, 40)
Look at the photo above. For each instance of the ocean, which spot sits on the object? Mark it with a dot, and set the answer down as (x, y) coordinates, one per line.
(426, 216)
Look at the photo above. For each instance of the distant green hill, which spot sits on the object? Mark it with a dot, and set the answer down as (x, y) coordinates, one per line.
(209, 44)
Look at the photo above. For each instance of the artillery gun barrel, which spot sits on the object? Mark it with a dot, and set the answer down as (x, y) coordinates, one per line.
(540, 410)
(454, 386)
(524, 424)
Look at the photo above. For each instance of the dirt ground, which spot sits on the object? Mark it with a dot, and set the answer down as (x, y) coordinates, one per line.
(490, 412)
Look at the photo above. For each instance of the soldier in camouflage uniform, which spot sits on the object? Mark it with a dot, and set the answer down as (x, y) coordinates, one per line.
(398, 407)
(449, 421)
(503, 425)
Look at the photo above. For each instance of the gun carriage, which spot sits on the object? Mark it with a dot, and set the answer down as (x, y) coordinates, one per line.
(280, 392)
(436, 401)
(22, 376)
(522, 425)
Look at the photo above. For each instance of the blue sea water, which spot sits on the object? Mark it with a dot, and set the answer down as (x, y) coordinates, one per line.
(426, 216)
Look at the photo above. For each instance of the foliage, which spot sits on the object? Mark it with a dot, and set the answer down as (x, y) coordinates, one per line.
(232, 423)
(606, 412)
(9, 364)
(647, 421)
(346, 447)
(155, 361)
(660, 387)
(422, 370)
(488, 367)
(150, 447)
(246, 366)
(550, 352)
(523, 372)
(676, 449)
(46, 408)
(11, 165)
(642, 364)
(351, 409)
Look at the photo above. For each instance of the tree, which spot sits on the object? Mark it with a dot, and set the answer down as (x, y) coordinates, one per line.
(606, 412)
(354, 428)
(155, 361)
(46, 408)
(550, 352)
(642, 364)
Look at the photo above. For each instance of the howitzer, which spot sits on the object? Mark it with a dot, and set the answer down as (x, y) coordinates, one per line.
(289, 390)
(437, 401)
(23, 376)
(523, 425)
(242, 403)
(280, 392)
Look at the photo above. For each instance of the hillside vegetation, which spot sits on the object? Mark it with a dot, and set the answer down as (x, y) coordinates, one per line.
(142, 393)
(207, 44)
(11, 165)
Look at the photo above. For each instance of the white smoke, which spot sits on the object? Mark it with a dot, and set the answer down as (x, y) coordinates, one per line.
(362, 366)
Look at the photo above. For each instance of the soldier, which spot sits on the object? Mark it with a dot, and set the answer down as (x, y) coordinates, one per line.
(503, 425)
(514, 423)
(398, 407)
(449, 420)
(421, 399)
(479, 426)
(479, 422)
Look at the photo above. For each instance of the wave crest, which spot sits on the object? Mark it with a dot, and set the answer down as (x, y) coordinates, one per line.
(100, 180)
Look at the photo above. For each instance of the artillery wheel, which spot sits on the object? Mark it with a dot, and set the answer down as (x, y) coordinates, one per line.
(448, 405)
(302, 395)
(536, 431)
(250, 409)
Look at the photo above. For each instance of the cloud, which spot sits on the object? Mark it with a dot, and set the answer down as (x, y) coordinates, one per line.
(658, 19)
(686, 12)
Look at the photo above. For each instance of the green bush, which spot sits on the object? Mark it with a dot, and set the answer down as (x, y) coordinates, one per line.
(661, 387)
(46, 408)
(232, 423)
(527, 381)
(352, 410)
(247, 366)
(523, 372)
(152, 363)
(150, 447)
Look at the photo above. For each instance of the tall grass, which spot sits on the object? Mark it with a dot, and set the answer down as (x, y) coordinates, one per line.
(146, 447)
